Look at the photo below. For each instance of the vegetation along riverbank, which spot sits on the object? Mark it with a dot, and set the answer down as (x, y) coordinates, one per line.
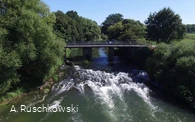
(32, 41)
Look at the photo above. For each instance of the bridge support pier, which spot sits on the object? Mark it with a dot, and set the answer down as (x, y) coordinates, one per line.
(111, 54)
(87, 53)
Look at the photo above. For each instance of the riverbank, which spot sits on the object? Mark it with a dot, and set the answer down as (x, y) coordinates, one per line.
(110, 90)
(14, 97)
(170, 67)
(170, 98)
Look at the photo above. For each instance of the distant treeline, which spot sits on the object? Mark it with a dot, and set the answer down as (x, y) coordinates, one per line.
(190, 28)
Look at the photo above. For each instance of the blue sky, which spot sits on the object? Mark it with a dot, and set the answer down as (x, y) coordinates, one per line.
(98, 10)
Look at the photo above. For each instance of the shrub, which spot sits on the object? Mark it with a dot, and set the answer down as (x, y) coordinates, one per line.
(173, 67)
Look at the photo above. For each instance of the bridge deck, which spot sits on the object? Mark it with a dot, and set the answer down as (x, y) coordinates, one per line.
(104, 44)
(98, 46)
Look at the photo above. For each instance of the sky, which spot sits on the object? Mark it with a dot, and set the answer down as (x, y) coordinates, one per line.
(98, 10)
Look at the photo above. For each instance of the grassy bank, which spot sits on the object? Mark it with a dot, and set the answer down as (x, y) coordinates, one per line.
(190, 36)
(14, 96)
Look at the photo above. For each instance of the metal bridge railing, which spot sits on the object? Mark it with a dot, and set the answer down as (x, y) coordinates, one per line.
(105, 43)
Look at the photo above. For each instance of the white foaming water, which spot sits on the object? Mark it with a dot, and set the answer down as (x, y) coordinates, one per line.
(104, 85)
(140, 89)
(55, 104)
(108, 90)
(62, 87)
(39, 101)
(80, 87)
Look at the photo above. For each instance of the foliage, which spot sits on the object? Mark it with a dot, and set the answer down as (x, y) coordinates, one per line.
(85, 62)
(11, 95)
(114, 31)
(104, 37)
(75, 52)
(190, 36)
(164, 26)
(55, 77)
(111, 20)
(29, 51)
(72, 27)
(173, 67)
(127, 29)
(190, 28)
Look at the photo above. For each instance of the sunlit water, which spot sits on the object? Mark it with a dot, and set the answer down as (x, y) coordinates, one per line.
(101, 93)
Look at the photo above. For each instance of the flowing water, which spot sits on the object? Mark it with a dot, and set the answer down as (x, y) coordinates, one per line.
(99, 93)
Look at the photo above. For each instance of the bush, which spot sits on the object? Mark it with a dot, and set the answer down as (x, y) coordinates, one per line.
(173, 67)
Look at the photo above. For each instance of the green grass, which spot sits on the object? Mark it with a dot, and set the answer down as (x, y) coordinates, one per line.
(55, 77)
(190, 36)
(11, 95)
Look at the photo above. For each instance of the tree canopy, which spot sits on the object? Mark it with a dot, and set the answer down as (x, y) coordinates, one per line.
(30, 51)
(164, 26)
(72, 27)
(111, 20)
(127, 29)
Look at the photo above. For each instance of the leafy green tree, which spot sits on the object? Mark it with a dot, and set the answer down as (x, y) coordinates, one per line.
(115, 31)
(72, 27)
(164, 26)
(65, 27)
(127, 29)
(72, 14)
(132, 30)
(111, 20)
(104, 37)
(29, 50)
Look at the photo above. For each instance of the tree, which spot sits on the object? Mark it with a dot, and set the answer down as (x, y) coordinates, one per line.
(111, 20)
(115, 31)
(91, 30)
(29, 50)
(72, 27)
(72, 14)
(65, 27)
(127, 29)
(164, 26)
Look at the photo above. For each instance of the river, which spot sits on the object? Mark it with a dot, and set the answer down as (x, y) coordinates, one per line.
(99, 92)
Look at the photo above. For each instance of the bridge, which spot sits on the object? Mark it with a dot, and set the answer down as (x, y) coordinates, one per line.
(87, 47)
(98, 44)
